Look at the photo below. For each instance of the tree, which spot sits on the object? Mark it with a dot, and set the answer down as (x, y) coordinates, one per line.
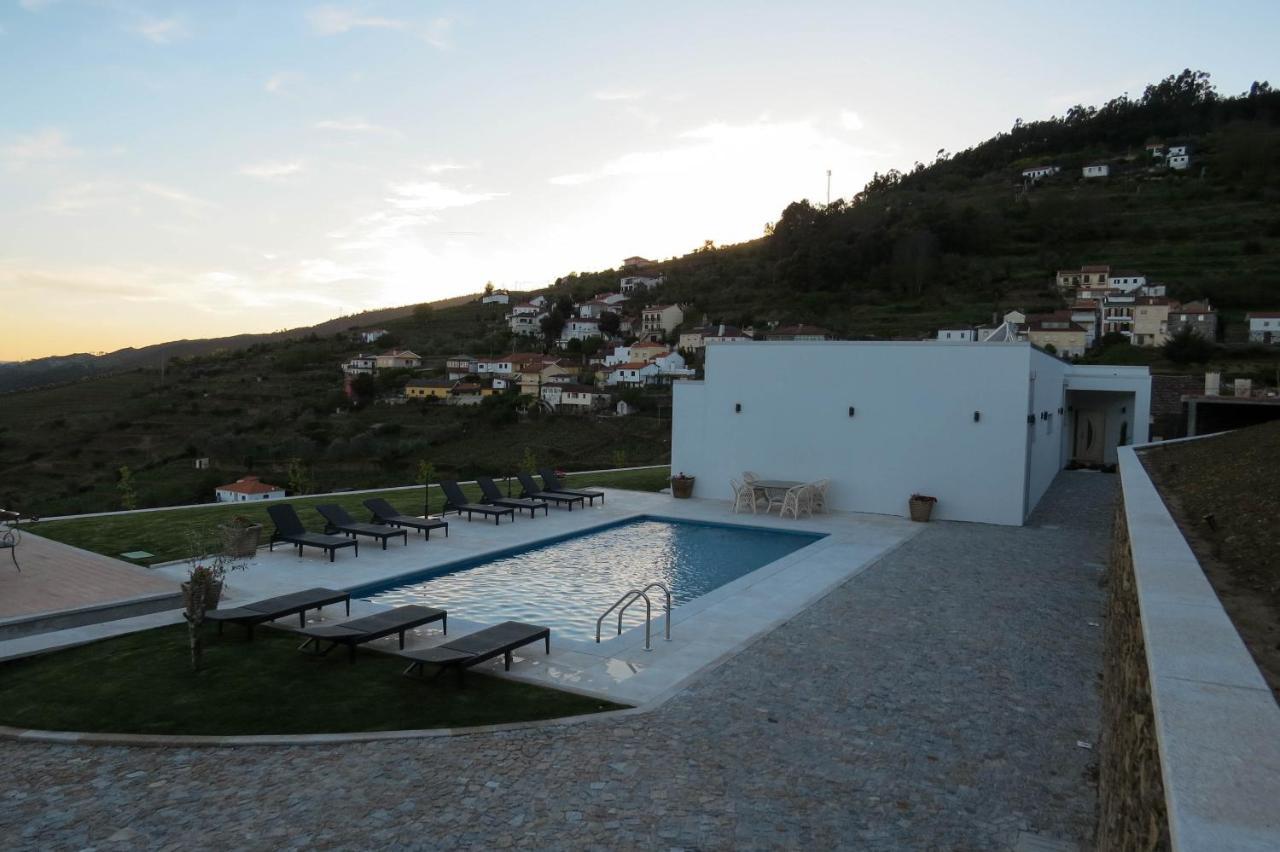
(426, 473)
(128, 495)
(300, 481)
(1188, 347)
(364, 388)
(529, 463)
(422, 314)
(610, 323)
(488, 288)
(552, 325)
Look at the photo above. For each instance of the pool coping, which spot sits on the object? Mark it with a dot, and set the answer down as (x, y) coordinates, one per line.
(89, 738)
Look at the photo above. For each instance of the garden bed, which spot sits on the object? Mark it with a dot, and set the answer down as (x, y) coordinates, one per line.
(142, 683)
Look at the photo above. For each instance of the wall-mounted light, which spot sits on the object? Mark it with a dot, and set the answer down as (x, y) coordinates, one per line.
(737, 408)
(1031, 420)
(851, 411)
(977, 415)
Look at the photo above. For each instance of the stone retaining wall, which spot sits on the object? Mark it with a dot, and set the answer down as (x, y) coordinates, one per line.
(1131, 809)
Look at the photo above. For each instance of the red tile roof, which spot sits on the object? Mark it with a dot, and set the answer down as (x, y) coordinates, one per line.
(250, 485)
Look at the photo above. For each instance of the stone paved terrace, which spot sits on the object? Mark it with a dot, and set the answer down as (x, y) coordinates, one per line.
(933, 701)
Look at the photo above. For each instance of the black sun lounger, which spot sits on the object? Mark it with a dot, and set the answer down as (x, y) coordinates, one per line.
(493, 496)
(289, 528)
(385, 513)
(357, 631)
(532, 490)
(553, 483)
(474, 648)
(270, 609)
(337, 520)
(456, 501)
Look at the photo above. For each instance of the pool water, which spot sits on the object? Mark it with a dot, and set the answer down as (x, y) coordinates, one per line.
(566, 584)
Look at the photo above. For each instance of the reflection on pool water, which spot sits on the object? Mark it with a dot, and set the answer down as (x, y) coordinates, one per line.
(568, 583)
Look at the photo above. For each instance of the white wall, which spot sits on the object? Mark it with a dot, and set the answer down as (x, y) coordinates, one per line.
(912, 429)
(1046, 405)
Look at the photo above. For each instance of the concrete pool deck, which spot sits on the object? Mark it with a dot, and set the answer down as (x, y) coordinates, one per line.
(704, 631)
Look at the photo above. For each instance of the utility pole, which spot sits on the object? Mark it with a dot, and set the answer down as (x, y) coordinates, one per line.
(828, 187)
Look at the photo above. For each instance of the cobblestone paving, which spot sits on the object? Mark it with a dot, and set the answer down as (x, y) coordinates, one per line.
(935, 701)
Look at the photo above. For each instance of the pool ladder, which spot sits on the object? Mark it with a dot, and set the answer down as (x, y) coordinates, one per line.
(627, 600)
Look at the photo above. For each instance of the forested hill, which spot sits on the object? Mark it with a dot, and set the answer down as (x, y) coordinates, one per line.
(952, 240)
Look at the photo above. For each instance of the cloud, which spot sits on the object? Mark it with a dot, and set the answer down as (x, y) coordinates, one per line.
(850, 120)
(618, 95)
(270, 171)
(353, 125)
(43, 146)
(281, 82)
(332, 20)
(441, 168)
(161, 30)
(121, 196)
(433, 195)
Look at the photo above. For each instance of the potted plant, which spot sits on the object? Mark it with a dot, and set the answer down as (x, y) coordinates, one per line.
(682, 486)
(921, 506)
(210, 563)
(240, 536)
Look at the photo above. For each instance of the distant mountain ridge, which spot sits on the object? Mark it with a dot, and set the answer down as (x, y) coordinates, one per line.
(60, 369)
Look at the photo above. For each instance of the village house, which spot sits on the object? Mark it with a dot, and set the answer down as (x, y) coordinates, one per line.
(1117, 313)
(1036, 172)
(247, 489)
(498, 297)
(574, 398)
(398, 359)
(1200, 317)
(1178, 161)
(1097, 170)
(636, 261)
(1058, 331)
(1126, 281)
(697, 339)
(1151, 321)
(632, 284)
(371, 335)
(800, 331)
(428, 388)
(470, 393)
(1085, 313)
(661, 319)
(594, 308)
(579, 328)
(1264, 326)
(361, 365)
(459, 366)
(1153, 289)
(1155, 149)
(1085, 276)
(958, 335)
(632, 373)
(501, 365)
(525, 319)
(534, 375)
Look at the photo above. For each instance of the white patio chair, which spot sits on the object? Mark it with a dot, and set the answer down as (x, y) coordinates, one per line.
(750, 476)
(797, 500)
(743, 496)
(818, 496)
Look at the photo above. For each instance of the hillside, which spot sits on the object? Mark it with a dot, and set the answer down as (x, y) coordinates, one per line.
(941, 244)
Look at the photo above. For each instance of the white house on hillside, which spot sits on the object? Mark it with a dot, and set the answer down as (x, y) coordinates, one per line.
(399, 360)
(361, 364)
(372, 335)
(579, 328)
(1036, 172)
(631, 284)
(958, 335)
(247, 489)
(1098, 170)
(632, 373)
(501, 297)
(1178, 161)
(983, 428)
(1264, 326)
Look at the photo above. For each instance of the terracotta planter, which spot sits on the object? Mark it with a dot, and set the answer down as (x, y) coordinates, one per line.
(211, 596)
(920, 509)
(682, 487)
(241, 541)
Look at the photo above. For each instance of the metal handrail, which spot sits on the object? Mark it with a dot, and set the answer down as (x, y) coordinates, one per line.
(666, 591)
(648, 609)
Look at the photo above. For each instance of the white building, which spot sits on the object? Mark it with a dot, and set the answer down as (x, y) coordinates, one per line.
(958, 335)
(633, 283)
(579, 328)
(498, 298)
(361, 364)
(633, 373)
(698, 338)
(1179, 150)
(1264, 326)
(525, 323)
(247, 489)
(502, 366)
(372, 335)
(1178, 161)
(984, 429)
(1127, 281)
(573, 397)
(1036, 172)
(1098, 170)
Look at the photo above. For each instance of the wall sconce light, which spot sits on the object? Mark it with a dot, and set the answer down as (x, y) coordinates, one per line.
(737, 408)
(1031, 420)
(977, 415)
(851, 411)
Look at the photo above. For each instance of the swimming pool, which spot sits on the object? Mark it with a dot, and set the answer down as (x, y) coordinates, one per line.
(566, 583)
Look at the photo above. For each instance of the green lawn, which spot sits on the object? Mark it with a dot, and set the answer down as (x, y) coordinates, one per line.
(163, 533)
(142, 683)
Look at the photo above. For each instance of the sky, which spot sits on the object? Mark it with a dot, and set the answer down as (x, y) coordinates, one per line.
(180, 170)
